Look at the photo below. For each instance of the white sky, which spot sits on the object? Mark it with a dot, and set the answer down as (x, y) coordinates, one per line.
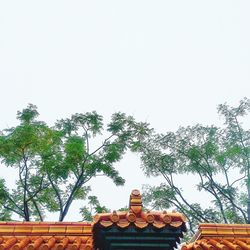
(169, 63)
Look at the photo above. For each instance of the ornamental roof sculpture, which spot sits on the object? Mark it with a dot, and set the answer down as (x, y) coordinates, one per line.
(139, 218)
(132, 229)
(212, 236)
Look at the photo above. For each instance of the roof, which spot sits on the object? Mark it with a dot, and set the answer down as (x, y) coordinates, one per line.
(160, 228)
(138, 229)
(211, 236)
(139, 218)
(45, 235)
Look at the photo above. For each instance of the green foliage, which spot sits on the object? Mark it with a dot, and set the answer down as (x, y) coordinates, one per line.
(218, 157)
(5, 214)
(28, 115)
(92, 208)
(55, 163)
(125, 208)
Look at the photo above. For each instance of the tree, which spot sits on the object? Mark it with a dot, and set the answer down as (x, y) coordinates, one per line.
(56, 163)
(21, 147)
(217, 156)
(92, 208)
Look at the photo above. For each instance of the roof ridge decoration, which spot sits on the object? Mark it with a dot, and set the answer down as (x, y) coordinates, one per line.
(135, 202)
(141, 219)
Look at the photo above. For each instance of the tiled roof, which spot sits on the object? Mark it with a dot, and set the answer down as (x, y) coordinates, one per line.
(220, 237)
(138, 229)
(139, 218)
(45, 236)
(81, 236)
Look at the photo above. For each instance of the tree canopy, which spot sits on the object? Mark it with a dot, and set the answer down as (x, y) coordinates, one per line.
(54, 164)
(219, 157)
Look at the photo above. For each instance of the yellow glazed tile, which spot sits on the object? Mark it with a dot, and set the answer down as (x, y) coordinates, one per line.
(57, 229)
(23, 229)
(40, 229)
(74, 229)
(7, 229)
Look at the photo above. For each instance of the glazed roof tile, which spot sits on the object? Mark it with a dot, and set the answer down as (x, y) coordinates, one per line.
(212, 236)
(139, 218)
(45, 228)
(45, 236)
(80, 235)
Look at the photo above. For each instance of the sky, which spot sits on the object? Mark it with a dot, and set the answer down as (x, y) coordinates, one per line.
(168, 63)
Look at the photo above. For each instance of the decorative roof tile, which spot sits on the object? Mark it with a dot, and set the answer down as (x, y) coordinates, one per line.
(139, 218)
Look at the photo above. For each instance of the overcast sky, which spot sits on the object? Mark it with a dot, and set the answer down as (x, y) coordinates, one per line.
(169, 63)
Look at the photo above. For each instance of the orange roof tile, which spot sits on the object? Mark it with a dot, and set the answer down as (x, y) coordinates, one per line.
(139, 218)
(212, 236)
(80, 235)
(45, 235)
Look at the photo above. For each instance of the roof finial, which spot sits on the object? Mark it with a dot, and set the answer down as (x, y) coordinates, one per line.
(135, 202)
